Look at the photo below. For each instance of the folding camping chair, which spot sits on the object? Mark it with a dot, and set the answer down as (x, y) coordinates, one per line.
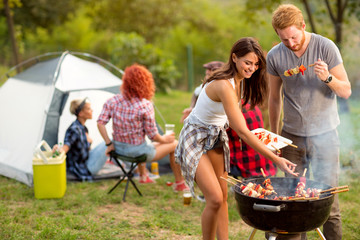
(115, 157)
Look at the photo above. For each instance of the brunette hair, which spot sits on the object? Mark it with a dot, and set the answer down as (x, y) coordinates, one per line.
(138, 82)
(287, 15)
(255, 87)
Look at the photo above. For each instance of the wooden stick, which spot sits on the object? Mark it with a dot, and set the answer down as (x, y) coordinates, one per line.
(311, 65)
(304, 172)
(334, 188)
(297, 198)
(277, 150)
(292, 145)
(228, 180)
(312, 198)
(262, 171)
(340, 191)
(237, 180)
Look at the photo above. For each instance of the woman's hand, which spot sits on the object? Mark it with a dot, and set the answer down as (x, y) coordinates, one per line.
(109, 149)
(169, 138)
(65, 148)
(286, 166)
(55, 148)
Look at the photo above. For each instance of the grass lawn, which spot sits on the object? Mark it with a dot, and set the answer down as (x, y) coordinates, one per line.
(88, 212)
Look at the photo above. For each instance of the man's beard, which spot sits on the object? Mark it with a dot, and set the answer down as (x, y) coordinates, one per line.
(300, 45)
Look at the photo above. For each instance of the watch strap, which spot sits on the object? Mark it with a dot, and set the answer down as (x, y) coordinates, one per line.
(328, 79)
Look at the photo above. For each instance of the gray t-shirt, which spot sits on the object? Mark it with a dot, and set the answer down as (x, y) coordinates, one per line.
(310, 106)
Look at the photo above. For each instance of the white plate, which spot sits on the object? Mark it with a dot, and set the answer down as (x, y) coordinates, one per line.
(279, 144)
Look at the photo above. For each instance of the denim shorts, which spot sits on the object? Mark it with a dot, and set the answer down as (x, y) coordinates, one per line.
(218, 144)
(130, 150)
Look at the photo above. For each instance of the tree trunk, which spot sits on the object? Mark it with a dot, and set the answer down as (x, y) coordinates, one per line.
(308, 12)
(11, 32)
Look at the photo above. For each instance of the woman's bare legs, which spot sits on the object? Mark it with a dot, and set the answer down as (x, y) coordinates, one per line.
(163, 149)
(214, 219)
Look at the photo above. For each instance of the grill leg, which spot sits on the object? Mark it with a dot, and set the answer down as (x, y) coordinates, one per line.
(252, 235)
(272, 236)
(320, 234)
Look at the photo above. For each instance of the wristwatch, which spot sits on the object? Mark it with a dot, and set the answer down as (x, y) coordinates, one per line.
(328, 79)
(108, 144)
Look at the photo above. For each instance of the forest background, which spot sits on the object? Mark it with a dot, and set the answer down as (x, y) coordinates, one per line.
(159, 34)
(172, 38)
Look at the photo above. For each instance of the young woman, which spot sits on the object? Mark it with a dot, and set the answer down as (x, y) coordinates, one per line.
(81, 160)
(205, 131)
(133, 117)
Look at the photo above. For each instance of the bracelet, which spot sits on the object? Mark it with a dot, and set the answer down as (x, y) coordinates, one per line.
(108, 144)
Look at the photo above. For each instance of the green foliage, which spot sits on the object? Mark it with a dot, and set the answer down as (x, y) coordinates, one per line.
(128, 48)
(41, 13)
(354, 8)
(75, 34)
(150, 19)
(163, 30)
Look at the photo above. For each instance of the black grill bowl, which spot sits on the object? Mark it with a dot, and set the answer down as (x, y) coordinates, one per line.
(284, 216)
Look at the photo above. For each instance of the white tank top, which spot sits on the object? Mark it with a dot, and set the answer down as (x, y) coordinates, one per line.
(209, 111)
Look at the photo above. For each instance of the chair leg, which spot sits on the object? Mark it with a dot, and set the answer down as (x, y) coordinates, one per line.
(122, 178)
(126, 188)
(129, 175)
(135, 187)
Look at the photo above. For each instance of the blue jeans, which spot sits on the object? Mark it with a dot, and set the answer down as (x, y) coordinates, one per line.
(97, 158)
(319, 153)
(135, 150)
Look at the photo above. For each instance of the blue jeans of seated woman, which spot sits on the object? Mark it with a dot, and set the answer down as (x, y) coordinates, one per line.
(97, 158)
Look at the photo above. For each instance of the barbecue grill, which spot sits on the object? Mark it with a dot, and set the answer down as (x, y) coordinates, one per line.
(284, 216)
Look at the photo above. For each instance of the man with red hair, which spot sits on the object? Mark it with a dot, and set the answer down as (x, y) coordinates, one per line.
(134, 118)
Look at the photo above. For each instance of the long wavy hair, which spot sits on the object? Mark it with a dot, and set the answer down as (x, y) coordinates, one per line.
(138, 82)
(255, 87)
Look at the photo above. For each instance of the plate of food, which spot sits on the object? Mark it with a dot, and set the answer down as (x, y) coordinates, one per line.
(273, 141)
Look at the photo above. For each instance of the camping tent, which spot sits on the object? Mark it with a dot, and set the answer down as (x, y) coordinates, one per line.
(34, 105)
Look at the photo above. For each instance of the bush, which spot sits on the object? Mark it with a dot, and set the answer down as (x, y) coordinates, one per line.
(128, 48)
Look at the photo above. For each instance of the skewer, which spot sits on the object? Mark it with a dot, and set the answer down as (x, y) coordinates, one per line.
(262, 171)
(292, 145)
(226, 179)
(311, 65)
(334, 189)
(340, 191)
(297, 198)
(237, 180)
(277, 150)
(312, 198)
(304, 172)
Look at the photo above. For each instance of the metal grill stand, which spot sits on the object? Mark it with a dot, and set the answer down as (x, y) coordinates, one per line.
(273, 236)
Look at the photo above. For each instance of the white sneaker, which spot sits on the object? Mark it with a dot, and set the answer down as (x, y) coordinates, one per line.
(153, 176)
(201, 198)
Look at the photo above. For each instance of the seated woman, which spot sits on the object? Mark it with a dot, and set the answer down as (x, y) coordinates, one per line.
(133, 118)
(80, 160)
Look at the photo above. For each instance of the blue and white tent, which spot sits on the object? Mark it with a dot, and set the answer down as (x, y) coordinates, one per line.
(34, 105)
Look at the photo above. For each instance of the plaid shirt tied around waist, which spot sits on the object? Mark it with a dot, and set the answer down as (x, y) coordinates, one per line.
(195, 138)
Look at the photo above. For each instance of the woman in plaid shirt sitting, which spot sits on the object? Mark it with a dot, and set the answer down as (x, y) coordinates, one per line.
(133, 117)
